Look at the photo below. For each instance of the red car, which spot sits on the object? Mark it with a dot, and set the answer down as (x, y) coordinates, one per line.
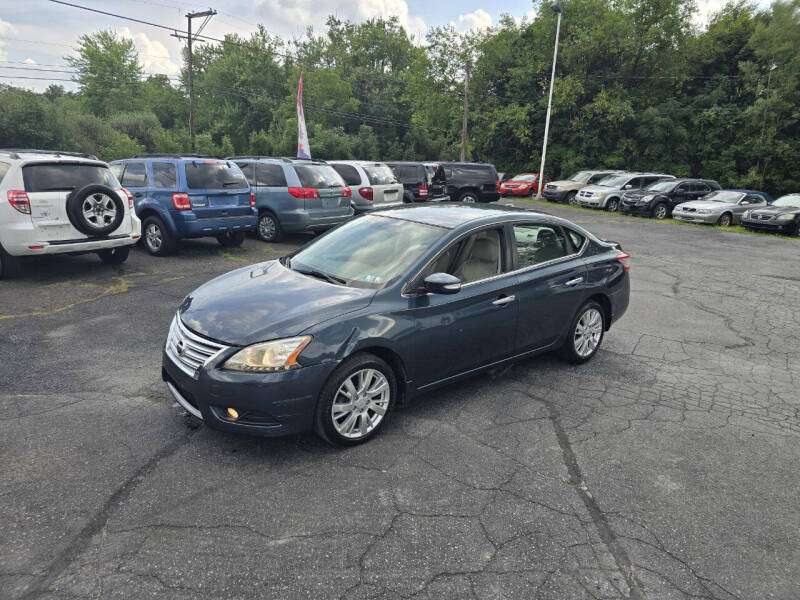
(523, 184)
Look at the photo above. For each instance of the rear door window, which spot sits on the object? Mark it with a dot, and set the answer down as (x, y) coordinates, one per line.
(248, 169)
(268, 175)
(213, 175)
(135, 175)
(164, 175)
(42, 177)
(538, 244)
(4, 167)
(318, 176)
(408, 173)
(348, 173)
(380, 175)
(117, 170)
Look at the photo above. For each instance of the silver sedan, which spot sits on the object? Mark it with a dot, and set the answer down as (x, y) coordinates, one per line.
(723, 207)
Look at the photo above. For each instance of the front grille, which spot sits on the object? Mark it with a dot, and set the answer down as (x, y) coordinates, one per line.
(188, 350)
(689, 209)
(761, 217)
(585, 194)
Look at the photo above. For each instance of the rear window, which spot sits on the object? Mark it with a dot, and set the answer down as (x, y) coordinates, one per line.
(409, 173)
(348, 173)
(476, 173)
(380, 175)
(4, 167)
(41, 177)
(213, 175)
(269, 175)
(318, 176)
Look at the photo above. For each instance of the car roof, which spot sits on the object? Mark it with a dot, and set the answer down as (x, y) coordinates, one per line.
(452, 216)
(30, 155)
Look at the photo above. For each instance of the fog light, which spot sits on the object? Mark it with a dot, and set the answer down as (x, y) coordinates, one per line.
(233, 414)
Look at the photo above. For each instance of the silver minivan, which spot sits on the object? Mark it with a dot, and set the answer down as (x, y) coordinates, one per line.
(373, 184)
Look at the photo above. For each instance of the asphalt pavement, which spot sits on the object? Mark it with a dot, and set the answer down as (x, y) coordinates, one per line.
(667, 467)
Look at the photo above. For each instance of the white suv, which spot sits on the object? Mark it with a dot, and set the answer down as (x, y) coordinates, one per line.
(62, 203)
(372, 184)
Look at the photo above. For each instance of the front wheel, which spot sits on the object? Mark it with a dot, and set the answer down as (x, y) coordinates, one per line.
(115, 256)
(269, 228)
(356, 401)
(585, 334)
(571, 198)
(231, 239)
(660, 211)
(612, 205)
(724, 220)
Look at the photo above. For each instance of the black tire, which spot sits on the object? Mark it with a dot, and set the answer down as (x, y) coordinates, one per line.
(725, 220)
(231, 239)
(612, 205)
(568, 350)
(660, 211)
(469, 198)
(161, 243)
(115, 256)
(10, 266)
(95, 210)
(269, 228)
(797, 229)
(570, 199)
(324, 419)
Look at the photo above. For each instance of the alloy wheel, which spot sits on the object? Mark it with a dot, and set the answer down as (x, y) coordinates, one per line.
(469, 199)
(153, 237)
(613, 205)
(724, 220)
(99, 210)
(661, 212)
(588, 332)
(267, 227)
(572, 199)
(360, 403)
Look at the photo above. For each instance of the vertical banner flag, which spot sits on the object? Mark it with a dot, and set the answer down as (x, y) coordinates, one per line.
(303, 149)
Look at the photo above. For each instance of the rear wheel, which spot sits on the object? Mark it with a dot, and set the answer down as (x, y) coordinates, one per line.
(157, 240)
(585, 334)
(468, 198)
(571, 198)
(660, 211)
(269, 228)
(724, 220)
(115, 256)
(10, 266)
(231, 239)
(356, 401)
(612, 205)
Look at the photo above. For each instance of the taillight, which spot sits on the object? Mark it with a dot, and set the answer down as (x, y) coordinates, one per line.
(366, 193)
(423, 191)
(623, 258)
(252, 200)
(347, 193)
(181, 201)
(130, 198)
(496, 185)
(19, 200)
(301, 192)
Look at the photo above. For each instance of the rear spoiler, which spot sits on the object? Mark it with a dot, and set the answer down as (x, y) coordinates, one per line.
(613, 244)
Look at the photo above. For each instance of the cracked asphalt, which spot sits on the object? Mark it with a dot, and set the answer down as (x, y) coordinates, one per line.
(665, 468)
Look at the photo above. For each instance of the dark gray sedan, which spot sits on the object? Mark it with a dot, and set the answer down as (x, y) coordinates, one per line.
(387, 306)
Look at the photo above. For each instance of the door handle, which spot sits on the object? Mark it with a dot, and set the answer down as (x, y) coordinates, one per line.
(504, 300)
(575, 281)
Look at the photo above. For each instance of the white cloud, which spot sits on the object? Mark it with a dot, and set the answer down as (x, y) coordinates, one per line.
(528, 17)
(477, 20)
(153, 55)
(706, 8)
(292, 17)
(6, 28)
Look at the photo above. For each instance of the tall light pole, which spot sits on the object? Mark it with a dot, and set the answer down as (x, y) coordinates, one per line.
(557, 9)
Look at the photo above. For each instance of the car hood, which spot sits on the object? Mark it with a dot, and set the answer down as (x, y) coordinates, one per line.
(775, 210)
(564, 182)
(706, 204)
(596, 188)
(264, 302)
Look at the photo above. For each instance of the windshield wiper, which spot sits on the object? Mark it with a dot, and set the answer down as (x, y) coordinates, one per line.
(321, 275)
(227, 183)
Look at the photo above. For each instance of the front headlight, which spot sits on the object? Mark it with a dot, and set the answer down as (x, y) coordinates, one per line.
(786, 217)
(600, 195)
(746, 214)
(703, 211)
(267, 357)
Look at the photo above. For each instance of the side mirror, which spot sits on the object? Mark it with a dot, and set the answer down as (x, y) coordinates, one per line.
(745, 202)
(628, 187)
(442, 283)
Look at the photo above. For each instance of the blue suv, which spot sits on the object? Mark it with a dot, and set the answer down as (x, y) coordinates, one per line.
(184, 196)
(295, 195)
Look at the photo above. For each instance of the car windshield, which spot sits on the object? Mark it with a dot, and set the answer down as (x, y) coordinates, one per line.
(367, 252)
(790, 200)
(661, 186)
(614, 181)
(214, 175)
(66, 176)
(380, 175)
(580, 176)
(318, 177)
(524, 178)
(725, 196)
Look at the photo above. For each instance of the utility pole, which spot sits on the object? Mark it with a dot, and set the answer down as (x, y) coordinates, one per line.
(189, 66)
(556, 8)
(466, 117)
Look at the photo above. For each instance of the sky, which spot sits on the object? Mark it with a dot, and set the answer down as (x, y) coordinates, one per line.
(28, 40)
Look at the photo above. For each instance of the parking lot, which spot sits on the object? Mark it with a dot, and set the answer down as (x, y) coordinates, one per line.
(667, 467)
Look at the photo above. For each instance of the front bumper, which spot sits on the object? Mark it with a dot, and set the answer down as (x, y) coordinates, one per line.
(591, 202)
(695, 218)
(771, 226)
(516, 191)
(554, 195)
(634, 209)
(305, 221)
(269, 404)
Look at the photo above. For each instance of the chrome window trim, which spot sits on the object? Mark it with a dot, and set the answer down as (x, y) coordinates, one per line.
(406, 294)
